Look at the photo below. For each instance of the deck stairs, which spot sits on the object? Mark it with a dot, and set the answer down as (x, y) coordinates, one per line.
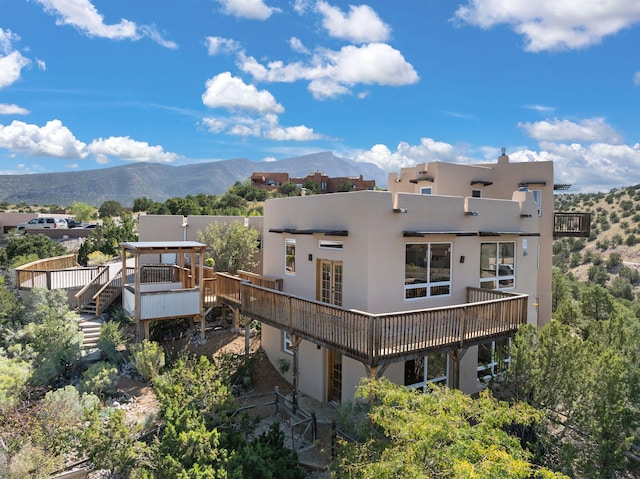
(89, 326)
(99, 294)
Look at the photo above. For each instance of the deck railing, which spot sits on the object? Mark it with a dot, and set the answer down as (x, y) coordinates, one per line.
(38, 274)
(67, 279)
(571, 224)
(378, 339)
(86, 294)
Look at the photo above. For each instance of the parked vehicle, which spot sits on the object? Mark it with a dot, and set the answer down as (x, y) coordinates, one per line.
(74, 224)
(44, 222)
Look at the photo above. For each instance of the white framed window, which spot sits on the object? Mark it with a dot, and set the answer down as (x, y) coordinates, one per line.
(287, 344)
(290, 256)
(476, 193)
(329, 244)
(425, 190)
(494, 358)
(427, 270)
(431, 369)
(497, 265)
(537, 195)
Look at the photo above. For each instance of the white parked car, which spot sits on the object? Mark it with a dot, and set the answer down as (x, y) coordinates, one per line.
(45, 222)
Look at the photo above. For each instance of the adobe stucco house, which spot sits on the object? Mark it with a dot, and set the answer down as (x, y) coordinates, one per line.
(441, 231)
(426, 282)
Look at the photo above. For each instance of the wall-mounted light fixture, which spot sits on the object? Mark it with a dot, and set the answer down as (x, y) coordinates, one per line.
(462, 259)
(471, 213)
(400, 210)
(310, 257)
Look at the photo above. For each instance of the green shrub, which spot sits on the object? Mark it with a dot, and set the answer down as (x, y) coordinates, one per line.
(14, 374)
(56, 344)
(148, 359)
(60, 417)
(110, 338)
(119, 315)
(30, 462)
(99, 379)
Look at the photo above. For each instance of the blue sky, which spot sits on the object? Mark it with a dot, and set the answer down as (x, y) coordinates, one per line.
(88, 84)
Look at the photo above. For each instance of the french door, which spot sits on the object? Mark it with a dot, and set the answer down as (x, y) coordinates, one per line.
(329, 290)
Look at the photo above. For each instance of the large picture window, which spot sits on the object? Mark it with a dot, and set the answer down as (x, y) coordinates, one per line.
(493, 359)
(427, 270)
(432, 369)
(497, 265)
(290, 256)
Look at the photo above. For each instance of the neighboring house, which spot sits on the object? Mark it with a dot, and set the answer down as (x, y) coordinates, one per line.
(326, 184)
(9, 221)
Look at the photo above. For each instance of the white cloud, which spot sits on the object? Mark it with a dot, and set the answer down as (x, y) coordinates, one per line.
(540, 108)
(594, 167)
(296, 133)
(83, 15)
(124, 148)
(12, 109)
(11, 61)
(588, 130)
(215, 125)
(250, 9)
(266, 126)
(332, 73)
(297, 46)
(226, 91)
(407, 155)
(53, 139)
(220, 45)
(361, 24)
(553, 24)
(636, 78)
(301, 6)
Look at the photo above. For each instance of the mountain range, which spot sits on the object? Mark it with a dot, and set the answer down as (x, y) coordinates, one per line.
(160, 182)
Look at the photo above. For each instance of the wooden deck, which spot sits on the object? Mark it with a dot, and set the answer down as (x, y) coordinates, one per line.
(379, 339)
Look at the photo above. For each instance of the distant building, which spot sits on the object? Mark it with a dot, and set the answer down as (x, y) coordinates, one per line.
(326, 184)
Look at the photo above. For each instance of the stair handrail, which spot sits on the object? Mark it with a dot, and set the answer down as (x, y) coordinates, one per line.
(105, 295)
(84, 296)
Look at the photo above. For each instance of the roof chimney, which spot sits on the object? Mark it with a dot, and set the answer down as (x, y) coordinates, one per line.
(503, 158)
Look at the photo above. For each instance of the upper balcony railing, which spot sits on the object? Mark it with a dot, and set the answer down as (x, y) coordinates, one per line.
(571, 224)
(379, 339)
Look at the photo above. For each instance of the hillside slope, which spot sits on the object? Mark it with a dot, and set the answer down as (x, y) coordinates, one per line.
(160, 182)
(614, 243)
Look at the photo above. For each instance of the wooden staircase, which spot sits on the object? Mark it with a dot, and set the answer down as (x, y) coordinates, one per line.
(99, 294)
(90, 328)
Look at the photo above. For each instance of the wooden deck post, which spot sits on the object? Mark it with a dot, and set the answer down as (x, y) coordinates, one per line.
(295, 342)
(236, 320)
(455, 356)
(247, 337)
